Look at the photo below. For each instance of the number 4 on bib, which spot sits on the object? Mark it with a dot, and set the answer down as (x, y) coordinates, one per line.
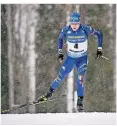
(76, 46)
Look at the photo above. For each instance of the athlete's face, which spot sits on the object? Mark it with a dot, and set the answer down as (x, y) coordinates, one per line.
(75, 26)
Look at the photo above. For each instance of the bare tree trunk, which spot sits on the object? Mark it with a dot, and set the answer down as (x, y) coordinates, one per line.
(32, 35)
(111, 25)
(70, 79)
(83, 13)
(114, 20)
(110, 16)
(75, 92)
(20, 47)
(10, 58)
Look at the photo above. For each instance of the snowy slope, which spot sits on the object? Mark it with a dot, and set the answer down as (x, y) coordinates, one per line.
(59, 119)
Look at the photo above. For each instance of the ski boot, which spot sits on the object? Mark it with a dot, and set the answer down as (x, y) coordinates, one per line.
(80, 107)
(46, 96)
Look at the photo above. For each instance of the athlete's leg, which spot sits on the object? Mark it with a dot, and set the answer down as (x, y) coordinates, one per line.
(66, 68)
(80, 76)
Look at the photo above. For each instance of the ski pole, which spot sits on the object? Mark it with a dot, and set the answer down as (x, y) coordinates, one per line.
(105, 57)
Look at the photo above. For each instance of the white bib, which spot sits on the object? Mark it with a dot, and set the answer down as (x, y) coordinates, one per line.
(77, 52)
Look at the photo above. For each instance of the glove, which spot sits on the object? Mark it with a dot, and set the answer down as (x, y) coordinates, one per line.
(60, 55)
(99, 52)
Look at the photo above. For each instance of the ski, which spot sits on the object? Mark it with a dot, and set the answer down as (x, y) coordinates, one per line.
(31, 103)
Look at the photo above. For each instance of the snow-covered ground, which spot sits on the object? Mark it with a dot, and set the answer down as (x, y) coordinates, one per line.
(59, 119)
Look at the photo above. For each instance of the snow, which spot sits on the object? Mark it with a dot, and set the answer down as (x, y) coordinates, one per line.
(59, 119)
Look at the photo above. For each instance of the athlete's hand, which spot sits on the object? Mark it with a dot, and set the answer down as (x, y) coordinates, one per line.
(60, 56)
(99, 53)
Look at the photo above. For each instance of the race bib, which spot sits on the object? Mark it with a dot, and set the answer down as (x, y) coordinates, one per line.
(77, 47)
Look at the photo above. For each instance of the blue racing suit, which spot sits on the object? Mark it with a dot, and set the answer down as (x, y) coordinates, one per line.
(77, 44)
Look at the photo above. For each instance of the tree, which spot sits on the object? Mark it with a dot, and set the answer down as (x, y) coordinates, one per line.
(22, 22)
(4, 59)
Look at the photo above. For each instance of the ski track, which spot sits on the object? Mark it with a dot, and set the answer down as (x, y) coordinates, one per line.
(59, 119)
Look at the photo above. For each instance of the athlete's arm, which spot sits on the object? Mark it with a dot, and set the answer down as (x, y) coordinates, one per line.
(96, 33)
(60, 44)
(99, 35)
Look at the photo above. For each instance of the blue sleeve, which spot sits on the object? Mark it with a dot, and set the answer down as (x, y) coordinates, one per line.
(100, 37)
(96, 33)
(61, 38)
